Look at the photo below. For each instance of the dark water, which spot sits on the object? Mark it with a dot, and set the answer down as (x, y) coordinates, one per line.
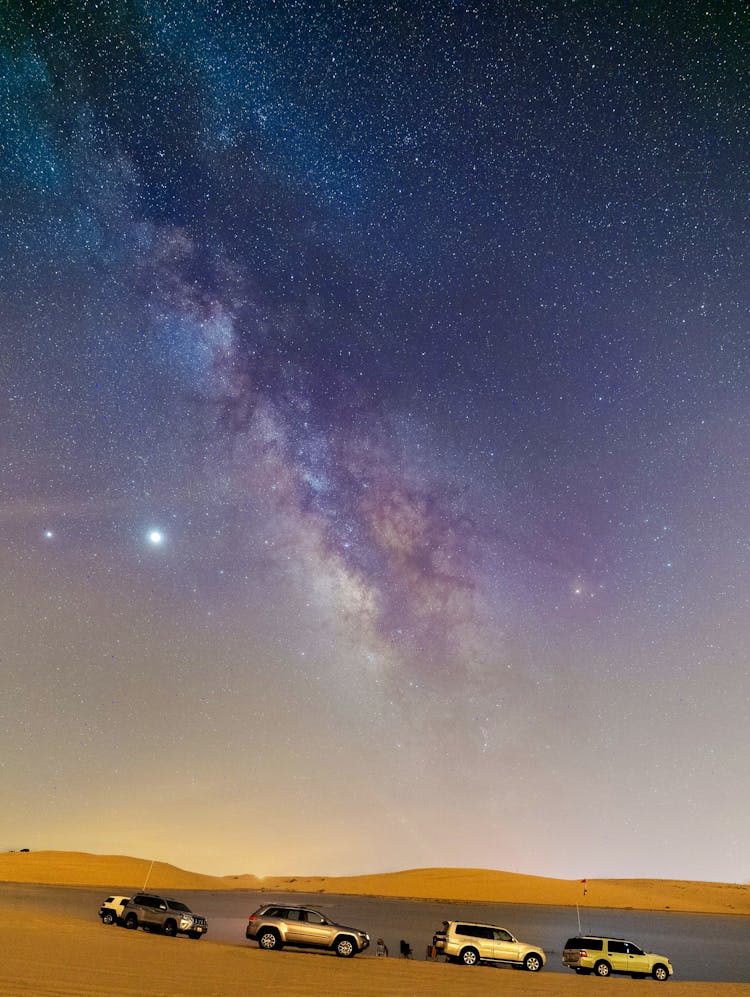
(705, 947)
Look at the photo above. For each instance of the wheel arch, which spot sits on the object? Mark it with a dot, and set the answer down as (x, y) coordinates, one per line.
(533, 955)
(272, 929)
(345, 936)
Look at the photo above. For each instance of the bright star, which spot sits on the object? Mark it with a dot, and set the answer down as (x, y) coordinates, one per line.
(48, 535)
(155, 537)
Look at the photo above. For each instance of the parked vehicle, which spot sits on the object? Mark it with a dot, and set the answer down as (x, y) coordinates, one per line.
(169, 916)
(603, 956)
(470, 944)
(274, 926)
(111, 909)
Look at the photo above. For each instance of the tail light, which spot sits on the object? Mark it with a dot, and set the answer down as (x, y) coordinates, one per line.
(251, 918)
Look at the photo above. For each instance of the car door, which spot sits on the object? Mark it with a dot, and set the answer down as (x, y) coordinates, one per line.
(295, 933)
(506, 948)
(638, 961)
(154, 908)
(315, 929)
(618, 955)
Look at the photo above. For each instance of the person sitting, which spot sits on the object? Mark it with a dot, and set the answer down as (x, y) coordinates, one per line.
(381, 949)
(405, 949)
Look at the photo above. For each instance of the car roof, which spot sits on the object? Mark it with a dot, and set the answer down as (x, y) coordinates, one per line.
(278, 903)
(609, 938)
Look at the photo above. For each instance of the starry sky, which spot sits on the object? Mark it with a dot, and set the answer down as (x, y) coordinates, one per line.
(375, 419)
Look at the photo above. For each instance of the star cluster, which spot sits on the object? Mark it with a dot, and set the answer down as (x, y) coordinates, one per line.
(375, 386)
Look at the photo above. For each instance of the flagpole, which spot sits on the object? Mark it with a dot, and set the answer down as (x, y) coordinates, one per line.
(148, 874)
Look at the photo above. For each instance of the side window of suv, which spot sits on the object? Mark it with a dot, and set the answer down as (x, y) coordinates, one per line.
(501, 935)
(312, 917)
(617, 946)
(475, 931)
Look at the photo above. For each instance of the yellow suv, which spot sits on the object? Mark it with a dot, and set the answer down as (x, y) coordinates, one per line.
(588, 954)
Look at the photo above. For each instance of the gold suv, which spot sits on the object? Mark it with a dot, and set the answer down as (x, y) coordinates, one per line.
(470, 944)
(588, 954)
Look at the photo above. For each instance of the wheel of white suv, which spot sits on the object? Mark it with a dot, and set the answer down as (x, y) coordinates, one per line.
(345, 947)
(532, 963)
(470, 957)
(108, 917)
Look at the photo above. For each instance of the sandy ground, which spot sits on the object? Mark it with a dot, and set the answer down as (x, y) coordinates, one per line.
(481, 885)
(62, 956)
(65, 957)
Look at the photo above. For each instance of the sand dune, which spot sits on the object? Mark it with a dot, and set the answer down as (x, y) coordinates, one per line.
(118, 871)
(505, 887)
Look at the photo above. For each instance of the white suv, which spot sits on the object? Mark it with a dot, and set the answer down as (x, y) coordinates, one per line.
(111, 909)
(470, 944)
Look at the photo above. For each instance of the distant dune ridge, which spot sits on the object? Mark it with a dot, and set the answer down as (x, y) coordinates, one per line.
(485, 885)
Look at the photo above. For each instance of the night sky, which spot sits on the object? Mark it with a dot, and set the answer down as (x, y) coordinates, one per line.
(375, 421)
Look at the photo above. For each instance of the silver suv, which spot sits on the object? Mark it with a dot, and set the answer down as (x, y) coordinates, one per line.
(470, 944)
(276, 925)
(161, 914)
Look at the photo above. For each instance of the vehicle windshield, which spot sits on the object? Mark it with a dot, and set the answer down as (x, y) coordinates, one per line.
(178, 905)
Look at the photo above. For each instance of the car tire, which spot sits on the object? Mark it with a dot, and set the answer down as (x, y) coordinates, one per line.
(602, 968)
(268, 939)
(170, 928)
(131, 921)
(197, 935)
(533, 962)
(660, 972)
(108, 917)
(345, 947)
(469, 957)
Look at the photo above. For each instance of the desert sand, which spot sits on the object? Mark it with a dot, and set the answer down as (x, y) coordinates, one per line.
(67, 957)
(72, 957)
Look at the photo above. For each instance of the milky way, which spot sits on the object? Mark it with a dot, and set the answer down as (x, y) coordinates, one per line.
(375, 451)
